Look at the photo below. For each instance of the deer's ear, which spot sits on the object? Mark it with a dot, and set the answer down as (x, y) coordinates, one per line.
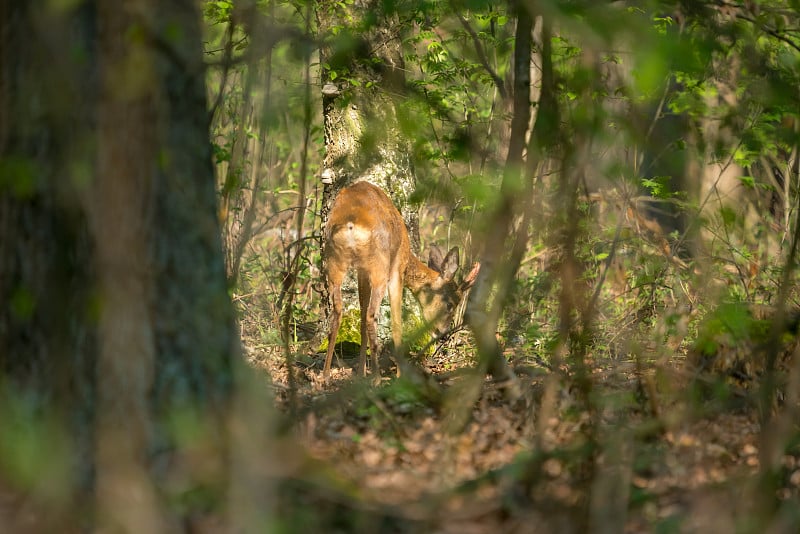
(469, 280)
(450, 264)
(435, 259)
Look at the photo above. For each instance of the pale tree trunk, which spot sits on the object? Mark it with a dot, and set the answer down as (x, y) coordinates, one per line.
(118, 213)
(120, 344)
(362, 135)
(363, 141)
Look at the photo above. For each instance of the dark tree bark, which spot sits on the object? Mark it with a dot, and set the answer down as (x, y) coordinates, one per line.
(48, 340)
(120, 334)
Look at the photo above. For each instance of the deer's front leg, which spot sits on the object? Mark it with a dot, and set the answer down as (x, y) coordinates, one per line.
(364, 290)
(377, 292)
(396, 305)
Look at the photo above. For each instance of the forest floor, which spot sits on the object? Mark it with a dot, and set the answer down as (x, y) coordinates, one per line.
(461, 459)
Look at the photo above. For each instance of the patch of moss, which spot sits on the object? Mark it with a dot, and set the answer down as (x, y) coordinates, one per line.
(349, 330)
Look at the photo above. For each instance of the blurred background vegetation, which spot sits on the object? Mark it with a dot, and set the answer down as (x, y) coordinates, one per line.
(625, 172)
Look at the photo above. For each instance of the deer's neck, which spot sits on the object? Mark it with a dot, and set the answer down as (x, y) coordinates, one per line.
(417, 274)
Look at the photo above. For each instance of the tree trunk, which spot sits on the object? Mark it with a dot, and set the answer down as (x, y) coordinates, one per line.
(500, 257)
(362, 78)
(48, 339)
(362, 134)
(119, 341)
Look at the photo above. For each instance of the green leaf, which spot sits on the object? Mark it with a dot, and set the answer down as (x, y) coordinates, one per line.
(748, 181)
(728, 216)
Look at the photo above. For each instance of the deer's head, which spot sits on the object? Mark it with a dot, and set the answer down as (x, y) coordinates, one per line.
(441, 295)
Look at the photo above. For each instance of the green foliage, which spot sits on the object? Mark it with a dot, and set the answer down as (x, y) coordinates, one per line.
(456, 110)
(35, 455)
(729, 323)
(396, 398)
(631, 241)
(218, 11)
(658, 186)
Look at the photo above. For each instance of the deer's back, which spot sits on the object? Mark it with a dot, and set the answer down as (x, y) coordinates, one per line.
(364, 226)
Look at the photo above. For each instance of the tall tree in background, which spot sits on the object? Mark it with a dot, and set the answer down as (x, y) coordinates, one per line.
(363, 89)
(363, 78)
(500, 257)
(118, 343)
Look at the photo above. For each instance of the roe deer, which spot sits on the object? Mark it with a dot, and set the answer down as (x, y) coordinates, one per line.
(365, 231)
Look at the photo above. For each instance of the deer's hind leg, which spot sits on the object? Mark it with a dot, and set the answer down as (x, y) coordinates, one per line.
(335, 292)
(370, 294)
(396, 304)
